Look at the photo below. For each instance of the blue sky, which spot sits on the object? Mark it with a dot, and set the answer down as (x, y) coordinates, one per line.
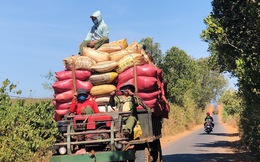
(37, 35)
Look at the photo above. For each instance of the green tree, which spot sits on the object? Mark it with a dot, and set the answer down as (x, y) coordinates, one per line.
(209, 83)
(232, 32)
(154, 50)
(232, 102)
(180, 74)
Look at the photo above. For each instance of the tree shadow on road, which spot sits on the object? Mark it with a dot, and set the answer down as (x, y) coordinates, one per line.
(237, 156)
(223, 144)
(222, 134)
(210, 157)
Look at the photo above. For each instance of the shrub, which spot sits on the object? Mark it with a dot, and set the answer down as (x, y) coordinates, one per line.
(26, 131)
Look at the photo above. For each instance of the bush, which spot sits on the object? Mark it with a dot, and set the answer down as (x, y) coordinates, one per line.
(26, 131)
(215, 111)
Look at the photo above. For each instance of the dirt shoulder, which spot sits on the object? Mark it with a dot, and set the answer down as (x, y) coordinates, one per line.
(231, 130)
(235, 141)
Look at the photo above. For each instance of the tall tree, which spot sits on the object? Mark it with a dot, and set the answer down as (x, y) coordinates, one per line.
(233, 34)
(209, 84)
(180, 73)
(154, 50)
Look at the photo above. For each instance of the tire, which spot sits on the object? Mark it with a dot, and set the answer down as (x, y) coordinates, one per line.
(143, 155)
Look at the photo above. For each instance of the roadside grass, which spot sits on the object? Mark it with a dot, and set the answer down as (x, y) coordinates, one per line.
(231, 120)
(32, 100)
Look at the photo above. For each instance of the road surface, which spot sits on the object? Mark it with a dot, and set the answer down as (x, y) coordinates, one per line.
(201, 147)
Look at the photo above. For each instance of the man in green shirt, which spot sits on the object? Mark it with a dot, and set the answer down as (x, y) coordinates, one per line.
(126, 102)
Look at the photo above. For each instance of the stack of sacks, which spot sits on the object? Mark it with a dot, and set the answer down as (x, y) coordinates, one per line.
(106, 69)
(151, 87)
(103, 72)
(63, 89)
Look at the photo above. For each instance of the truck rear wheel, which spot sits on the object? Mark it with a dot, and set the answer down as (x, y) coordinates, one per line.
(143, 155)
(156, 151)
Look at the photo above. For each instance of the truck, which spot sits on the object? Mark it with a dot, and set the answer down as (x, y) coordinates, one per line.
(99, 137)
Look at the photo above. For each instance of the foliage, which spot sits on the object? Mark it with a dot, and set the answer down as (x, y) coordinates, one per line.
(154, 50)
(209, 83)
(234, 42)
(187, 75)
(232, 106)
(181, 119)
(26, 131)
(180, 74)
(232, 102)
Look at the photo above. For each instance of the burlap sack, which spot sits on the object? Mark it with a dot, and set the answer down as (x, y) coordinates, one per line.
(81, 62)
(129, 61)
(98, 56)
(102, 89)
(113, 46)
(98, 79)
(103, 67)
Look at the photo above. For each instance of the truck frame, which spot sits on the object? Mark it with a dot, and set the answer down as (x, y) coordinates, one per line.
(109, 143)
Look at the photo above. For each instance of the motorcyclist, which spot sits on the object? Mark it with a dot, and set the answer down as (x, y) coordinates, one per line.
(210, 119)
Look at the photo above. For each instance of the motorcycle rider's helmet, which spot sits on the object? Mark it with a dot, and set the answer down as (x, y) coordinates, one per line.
(208, 114)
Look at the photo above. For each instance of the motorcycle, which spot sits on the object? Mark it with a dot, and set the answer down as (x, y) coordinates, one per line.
(208, 127)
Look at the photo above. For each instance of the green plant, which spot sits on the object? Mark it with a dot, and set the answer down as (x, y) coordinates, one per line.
(234, 42)
(26, 130)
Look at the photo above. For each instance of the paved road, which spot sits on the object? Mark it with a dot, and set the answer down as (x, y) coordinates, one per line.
(201, 147)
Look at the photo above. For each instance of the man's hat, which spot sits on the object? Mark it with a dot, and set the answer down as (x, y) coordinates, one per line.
(82, 91)
(128, 85)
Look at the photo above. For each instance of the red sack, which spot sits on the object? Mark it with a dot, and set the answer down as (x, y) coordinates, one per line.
(141, 70)
(151, 103)
(62, 86)
(66, 85)
(64, 96)
(148, 95)
(67, 74)
(60, 112)
(60, 105)
(145, 84)
(84, 84)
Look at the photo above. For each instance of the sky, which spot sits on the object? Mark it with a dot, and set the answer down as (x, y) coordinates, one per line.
(35, 36)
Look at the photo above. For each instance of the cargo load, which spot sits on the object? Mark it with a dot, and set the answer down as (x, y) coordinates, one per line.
(106, 69)
(99, 136)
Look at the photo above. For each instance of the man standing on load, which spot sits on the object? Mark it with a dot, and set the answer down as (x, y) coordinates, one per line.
(97, 35)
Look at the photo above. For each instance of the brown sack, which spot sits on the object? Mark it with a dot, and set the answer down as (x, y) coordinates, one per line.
(133, 48)
(113, 46)
(102, 89)
(123, 43)
(103, 67)
(104, 78)
(129, 61)
(98, 56)
(81, 62)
